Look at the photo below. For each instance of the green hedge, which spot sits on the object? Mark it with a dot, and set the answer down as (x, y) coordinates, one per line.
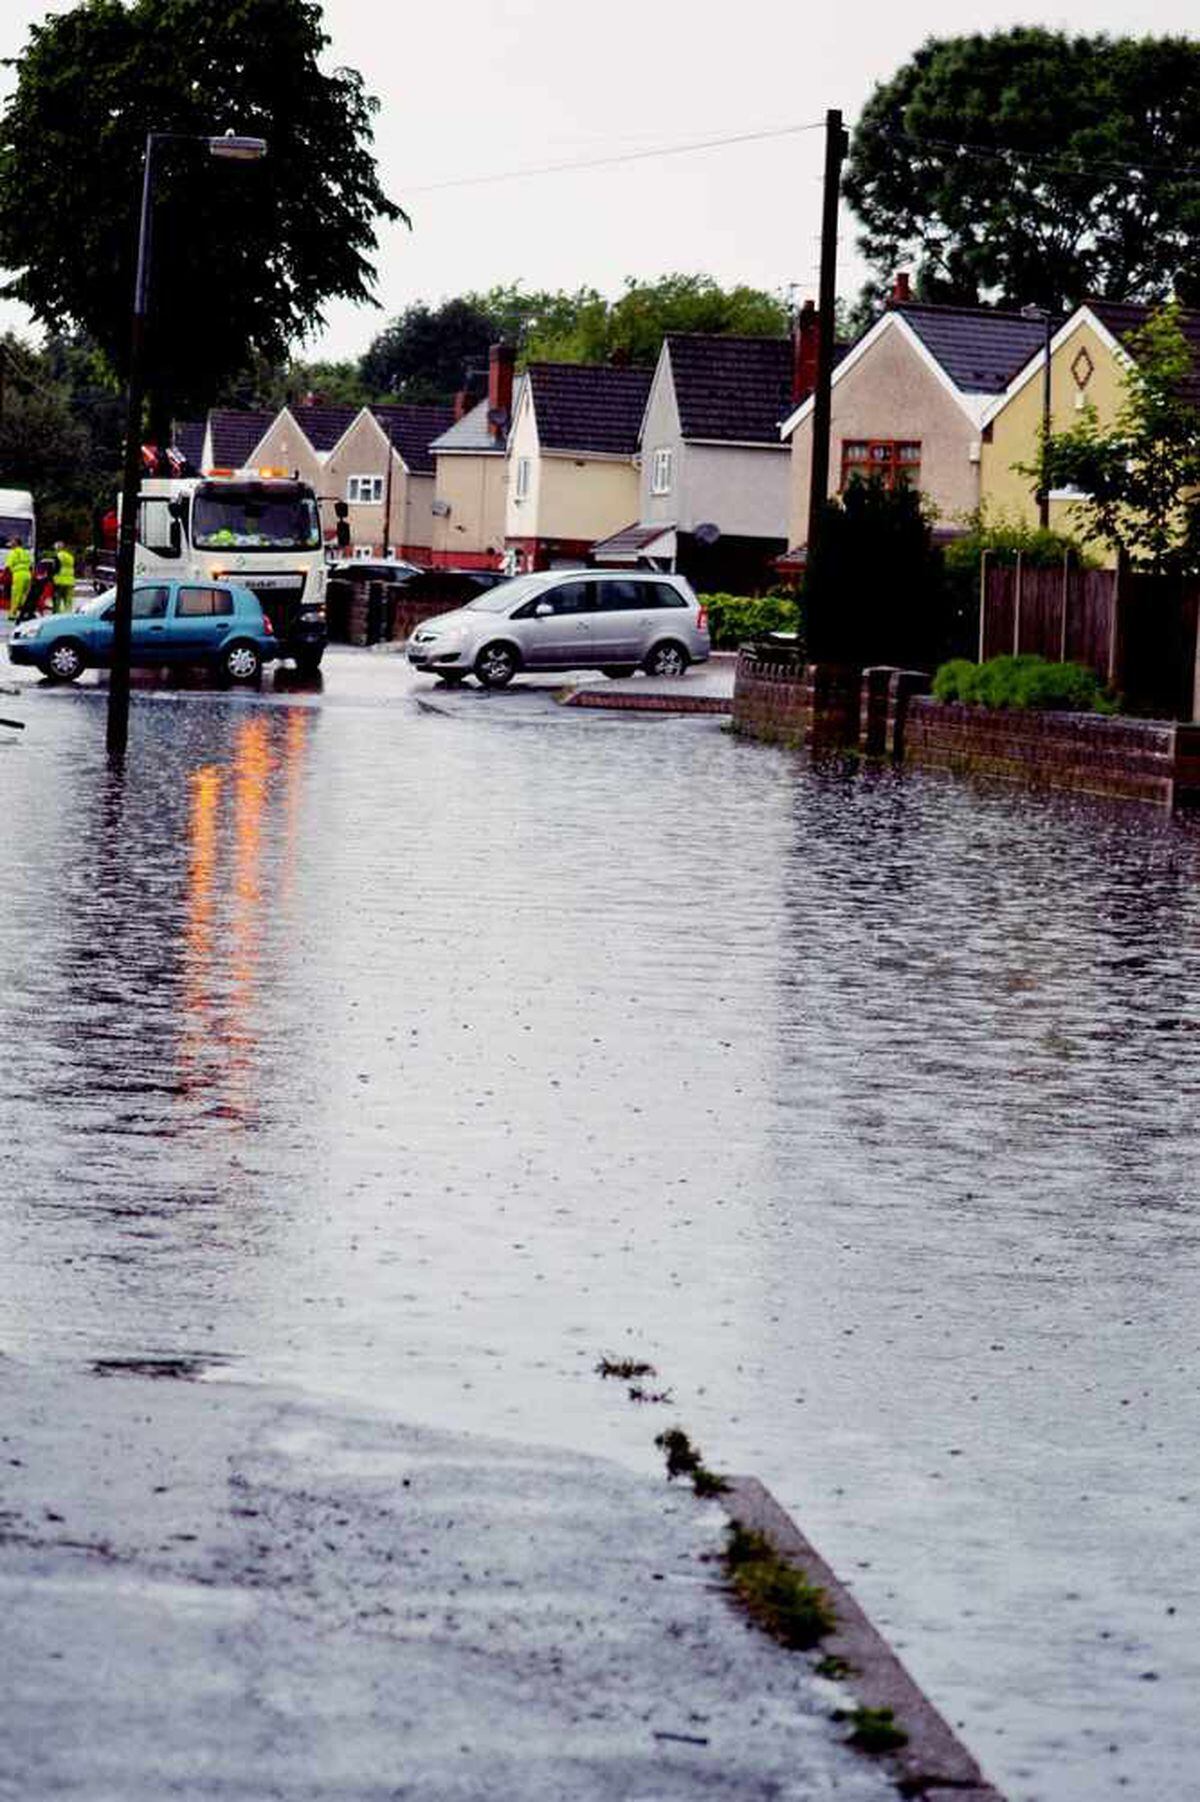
(1018, 682)
(734, 618)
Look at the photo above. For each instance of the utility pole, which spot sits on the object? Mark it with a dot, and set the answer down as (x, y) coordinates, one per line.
(836, 145)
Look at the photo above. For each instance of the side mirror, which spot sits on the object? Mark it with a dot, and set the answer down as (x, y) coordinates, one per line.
(176, 538)
(343, 534)
(543, 610)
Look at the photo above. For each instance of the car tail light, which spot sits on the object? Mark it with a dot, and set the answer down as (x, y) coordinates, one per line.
(268, 628)
(702, 618)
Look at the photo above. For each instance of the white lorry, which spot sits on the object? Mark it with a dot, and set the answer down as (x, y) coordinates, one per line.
(262, 531)
(17, 519)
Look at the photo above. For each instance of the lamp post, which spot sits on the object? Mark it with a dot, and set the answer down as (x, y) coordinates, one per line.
(1043, 493)
(232, 148)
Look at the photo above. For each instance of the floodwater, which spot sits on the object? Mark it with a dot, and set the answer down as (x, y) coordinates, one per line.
(425, 1056)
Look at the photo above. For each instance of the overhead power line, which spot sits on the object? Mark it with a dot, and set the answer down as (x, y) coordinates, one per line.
(1080, 165)
(605, 162)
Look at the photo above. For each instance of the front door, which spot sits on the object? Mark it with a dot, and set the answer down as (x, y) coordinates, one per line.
(148, 635)
(563, 638)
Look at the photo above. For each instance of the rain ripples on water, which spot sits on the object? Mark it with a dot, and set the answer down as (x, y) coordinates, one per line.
(411, 1056)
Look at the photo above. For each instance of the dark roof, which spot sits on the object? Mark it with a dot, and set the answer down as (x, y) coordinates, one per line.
(1125, 317)
(412, 430)
(734, 389)
(323, 426)
(980, 350)
(188, 438)
(589, 406)
(236, 435)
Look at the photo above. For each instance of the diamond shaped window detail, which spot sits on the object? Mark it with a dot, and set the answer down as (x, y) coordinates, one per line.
(1082, 368)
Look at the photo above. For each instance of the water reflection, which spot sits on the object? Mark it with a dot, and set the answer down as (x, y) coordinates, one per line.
(239, 874)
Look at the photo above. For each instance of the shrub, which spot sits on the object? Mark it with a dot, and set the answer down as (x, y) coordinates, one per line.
(1021, 682)
(734, 618)
(955, 681)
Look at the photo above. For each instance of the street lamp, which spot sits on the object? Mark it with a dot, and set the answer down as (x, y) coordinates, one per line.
(1043, 494)
(231, 148)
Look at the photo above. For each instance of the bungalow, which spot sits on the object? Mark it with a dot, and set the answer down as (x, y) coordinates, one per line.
(571, 474)
(714, 477)
(470, 483)
(909, 400)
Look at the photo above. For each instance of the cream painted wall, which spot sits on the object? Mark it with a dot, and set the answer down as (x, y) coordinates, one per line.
(363, 451)
(589, 497)
(286, 447)
(1014, 430)
(475, 487)
(662, 431)
(891, 392)
(521, 516)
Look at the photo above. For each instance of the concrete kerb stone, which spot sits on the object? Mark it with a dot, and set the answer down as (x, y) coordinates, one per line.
(934, 1764)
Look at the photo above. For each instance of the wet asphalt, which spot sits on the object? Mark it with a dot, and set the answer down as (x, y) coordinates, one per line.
(385, 1048)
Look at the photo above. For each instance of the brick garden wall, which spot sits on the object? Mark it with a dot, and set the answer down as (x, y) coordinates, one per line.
(885, 714)
(1128, 759)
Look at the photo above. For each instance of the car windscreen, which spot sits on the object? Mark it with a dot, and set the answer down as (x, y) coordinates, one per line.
(98, 603)
(499, 600)
(251, 517)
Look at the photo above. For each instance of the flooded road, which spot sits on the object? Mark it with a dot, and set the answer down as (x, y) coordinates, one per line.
(424, 1053)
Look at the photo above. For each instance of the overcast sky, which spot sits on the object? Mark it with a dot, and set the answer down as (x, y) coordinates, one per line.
(477, 88)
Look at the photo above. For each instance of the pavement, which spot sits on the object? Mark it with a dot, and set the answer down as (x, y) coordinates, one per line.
(218, 1590)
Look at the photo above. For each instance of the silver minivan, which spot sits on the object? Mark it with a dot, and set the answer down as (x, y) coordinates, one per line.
(607, 619)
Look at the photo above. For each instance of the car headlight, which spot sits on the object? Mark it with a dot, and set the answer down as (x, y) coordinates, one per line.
(448, 638)
(29, 629)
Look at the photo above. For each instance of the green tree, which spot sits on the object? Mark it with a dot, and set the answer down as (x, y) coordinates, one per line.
(1030, 166)
(424, 353)
(1141, 475)
(633, 327)
(59, 434)
(245, 256)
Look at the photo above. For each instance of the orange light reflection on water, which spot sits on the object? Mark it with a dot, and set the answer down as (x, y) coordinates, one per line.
(229, 913)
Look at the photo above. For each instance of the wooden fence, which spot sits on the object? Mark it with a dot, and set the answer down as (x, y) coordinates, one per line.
(1137, 632)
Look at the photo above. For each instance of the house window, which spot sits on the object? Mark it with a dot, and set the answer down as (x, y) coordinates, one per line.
(523, 474)
(364, 491)
(660, 482)
(888, 460)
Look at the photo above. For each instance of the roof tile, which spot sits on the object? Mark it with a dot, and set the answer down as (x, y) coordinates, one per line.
(594, 407)
(980, 349)
(736, 390)
(412, 430)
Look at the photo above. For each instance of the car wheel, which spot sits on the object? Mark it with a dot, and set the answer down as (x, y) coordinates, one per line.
(666, 659)
(65, 662)
(617, 670)
(496, 665)
(241, 662)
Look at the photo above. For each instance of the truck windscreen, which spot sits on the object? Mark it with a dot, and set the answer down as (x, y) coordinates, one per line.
(20, 529)
(253, 518)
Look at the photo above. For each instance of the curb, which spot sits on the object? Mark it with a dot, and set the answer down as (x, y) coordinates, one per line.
(623, 702)
(934, 1765)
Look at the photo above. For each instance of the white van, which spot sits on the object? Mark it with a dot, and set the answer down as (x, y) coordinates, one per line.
(17, 519)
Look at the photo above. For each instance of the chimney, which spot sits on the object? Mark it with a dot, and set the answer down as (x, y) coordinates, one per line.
(804, 353)
(501, 360)
(901, 289)
(462, 400)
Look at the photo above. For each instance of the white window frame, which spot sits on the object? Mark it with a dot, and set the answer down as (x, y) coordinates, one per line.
(364, 491)
(664, 470)
(523, 476)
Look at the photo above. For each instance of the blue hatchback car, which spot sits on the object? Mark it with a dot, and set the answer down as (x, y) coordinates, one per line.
(220, 624)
